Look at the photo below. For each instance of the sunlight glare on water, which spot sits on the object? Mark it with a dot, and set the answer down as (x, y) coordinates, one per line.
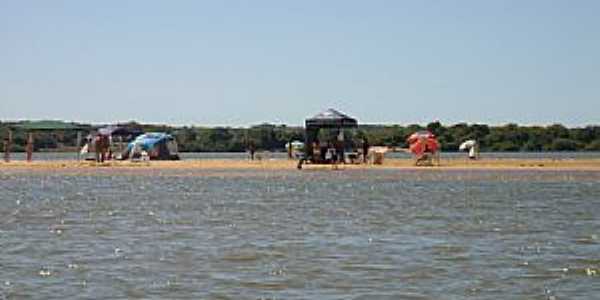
(356, 234)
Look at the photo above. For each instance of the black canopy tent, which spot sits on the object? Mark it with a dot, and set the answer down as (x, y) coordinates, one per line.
(330, 119)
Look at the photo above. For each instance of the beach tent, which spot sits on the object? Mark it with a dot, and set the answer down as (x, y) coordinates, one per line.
(113, 137)
(331, 121)
(330, 118)
(157, 145)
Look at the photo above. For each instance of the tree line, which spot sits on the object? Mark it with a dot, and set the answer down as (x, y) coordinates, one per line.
(269, 137)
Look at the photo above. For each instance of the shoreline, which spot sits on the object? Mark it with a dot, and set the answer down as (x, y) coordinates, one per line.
(284, 164)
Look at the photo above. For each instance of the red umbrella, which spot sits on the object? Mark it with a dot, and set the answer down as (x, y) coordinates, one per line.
(420, 135)
(422, 142)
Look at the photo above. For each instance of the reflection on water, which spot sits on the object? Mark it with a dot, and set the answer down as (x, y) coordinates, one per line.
(360, 234)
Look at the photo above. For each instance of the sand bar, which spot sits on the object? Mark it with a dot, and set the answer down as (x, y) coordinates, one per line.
(282, 164)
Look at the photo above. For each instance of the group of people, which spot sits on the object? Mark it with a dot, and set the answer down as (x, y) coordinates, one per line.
(330, 152)
(335, 152)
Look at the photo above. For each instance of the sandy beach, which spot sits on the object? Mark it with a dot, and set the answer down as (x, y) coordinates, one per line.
(281, 164)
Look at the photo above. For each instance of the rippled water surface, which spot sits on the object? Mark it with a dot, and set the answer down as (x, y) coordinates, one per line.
(353, 234)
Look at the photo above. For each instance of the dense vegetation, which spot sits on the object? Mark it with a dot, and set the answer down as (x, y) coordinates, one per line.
(509, 137)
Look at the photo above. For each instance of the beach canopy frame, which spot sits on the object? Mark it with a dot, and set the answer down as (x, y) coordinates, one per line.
(330, 119)
(30, 127)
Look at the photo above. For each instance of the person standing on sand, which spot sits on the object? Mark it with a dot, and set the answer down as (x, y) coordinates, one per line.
(101, 145)
(6, 150)
(29, 147)
(97, 149)
(365, 149)
(251, 149)
(339, 151)
(289, 149)
(316, 151)
(339, 145)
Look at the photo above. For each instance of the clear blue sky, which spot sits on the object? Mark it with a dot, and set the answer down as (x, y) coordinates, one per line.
(240, 63)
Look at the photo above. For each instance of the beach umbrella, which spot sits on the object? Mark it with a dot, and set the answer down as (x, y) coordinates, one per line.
(471, 146)
(420, 135)
(421, 142)
(106, 130)
(466, 145)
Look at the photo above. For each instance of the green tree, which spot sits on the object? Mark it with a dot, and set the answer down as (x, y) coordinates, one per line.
(593, 146)
(562, 144)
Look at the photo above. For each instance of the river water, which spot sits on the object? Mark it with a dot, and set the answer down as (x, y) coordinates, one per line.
(352, 234)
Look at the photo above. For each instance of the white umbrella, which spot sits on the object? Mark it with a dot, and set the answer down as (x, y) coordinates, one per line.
(466, 145)
(85, 149)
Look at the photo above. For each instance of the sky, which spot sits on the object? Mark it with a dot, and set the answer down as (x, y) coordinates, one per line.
(241, 63)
